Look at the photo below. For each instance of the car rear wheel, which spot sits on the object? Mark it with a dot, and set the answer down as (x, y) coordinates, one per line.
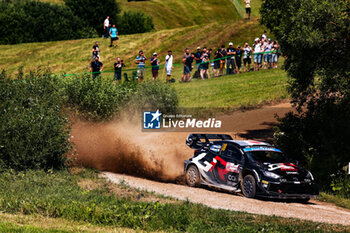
(249, 186)
(192, 176)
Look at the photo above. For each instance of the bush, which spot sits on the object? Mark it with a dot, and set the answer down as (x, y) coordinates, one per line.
(135, 22)
(93, 13)
(155, 96)
(33, 21)
(100, 99)
(33, 133)
(340, 185)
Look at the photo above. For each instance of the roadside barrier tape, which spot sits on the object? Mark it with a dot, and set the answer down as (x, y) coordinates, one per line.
(163, 65)
(238, 7)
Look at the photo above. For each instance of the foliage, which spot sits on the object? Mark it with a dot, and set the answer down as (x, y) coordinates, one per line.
(33, 133)
(156, 95)
(314, 38)
(31, 21)
(98, 99)
(135, 22)
(59, 195)
(341, 185)
(93, 13)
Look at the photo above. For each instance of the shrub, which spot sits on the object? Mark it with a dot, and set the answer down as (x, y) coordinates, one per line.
(155, 96)
(33, 133)
(135, 22)
(93, 13)
(33, 21)
(98, 99)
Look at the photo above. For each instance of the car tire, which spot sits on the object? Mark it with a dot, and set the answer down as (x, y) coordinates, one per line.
(249, 186)
(192, 176)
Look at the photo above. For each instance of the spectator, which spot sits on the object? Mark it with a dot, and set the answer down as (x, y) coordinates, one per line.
(223, 59)
(140, 61)
(231, 64)
(96, 68)
(155, 66)
(197, 57)
(247, 57)
(118, 70)
(275, 54)
(169, 65)
(247, 9)
(106, 27)
(95, 51)
(114, 36)
(238, 59)
(263, 36)
(257, 54)
(187, 60)
(205, 65)
(268, 55)
(217, 59)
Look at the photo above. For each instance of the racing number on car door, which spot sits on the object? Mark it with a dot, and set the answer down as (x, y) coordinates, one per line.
(226, 170)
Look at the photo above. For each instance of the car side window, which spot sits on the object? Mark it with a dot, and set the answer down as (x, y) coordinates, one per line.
(232, 153)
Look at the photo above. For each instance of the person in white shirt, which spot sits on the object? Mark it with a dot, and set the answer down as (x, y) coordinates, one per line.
(257, 54)
(169, 65)
(246, 57)
(247, 8)
(263, 36)
(106, 27)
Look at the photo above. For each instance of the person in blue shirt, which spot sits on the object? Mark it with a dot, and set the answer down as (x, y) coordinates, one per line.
(155, 66)
(113, 32)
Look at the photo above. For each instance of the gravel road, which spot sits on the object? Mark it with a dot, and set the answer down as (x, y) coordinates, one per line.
(315, 211)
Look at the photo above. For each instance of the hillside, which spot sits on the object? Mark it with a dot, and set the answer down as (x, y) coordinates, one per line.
(74, 55)
(168, 14)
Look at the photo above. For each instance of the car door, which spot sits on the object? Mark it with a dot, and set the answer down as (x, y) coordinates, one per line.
(227, 165)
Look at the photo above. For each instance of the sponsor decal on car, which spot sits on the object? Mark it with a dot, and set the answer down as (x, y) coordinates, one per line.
(288, 167)
(261, 148)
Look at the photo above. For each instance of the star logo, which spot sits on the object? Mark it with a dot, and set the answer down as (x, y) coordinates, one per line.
(151, 120)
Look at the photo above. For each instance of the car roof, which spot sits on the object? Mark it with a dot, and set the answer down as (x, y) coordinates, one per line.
(246, 143)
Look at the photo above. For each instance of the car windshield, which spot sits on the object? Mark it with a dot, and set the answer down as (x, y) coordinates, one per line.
(267, 156)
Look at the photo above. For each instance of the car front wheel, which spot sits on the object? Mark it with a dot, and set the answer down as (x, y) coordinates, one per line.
(192, 176)
(249, 186)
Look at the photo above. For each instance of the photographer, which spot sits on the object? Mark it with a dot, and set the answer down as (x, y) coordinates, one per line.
(95, 51)
(96, 68)
(230, 67)
(118, 70)
(247, 57)
(140, 61)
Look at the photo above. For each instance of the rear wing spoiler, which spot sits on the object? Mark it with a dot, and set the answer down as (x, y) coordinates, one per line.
(194, 140)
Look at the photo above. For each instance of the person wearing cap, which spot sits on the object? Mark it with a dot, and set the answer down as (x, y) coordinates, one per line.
(169, 65)
(198, 59)
(140, 61)
(204, 64)
(246, 57)
(247, 8)
(155, 66)
(113, 32)
(238, 59)
(257, 54)
(96, 67)
(95, 51)
(231, 63)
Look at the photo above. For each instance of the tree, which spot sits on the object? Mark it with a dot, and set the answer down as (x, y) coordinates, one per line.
(314, 36)
(95, 12)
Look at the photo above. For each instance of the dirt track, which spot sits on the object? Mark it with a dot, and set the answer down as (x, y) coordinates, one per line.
(314, 211)
(120, 147)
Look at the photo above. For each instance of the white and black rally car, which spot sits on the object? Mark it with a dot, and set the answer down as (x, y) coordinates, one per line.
(253, 167)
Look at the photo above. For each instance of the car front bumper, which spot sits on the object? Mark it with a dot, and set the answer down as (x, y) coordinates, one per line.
(288, 190)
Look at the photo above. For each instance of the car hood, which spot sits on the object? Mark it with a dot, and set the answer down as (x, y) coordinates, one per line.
(286, 170)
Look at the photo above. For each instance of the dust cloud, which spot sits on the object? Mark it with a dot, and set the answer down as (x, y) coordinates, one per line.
(120, 146)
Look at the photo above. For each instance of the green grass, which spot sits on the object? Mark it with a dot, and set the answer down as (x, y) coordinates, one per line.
(74, 55)
(61, 195)
(339, 201)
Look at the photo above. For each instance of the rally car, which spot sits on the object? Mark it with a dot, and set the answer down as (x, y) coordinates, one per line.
(251, 167)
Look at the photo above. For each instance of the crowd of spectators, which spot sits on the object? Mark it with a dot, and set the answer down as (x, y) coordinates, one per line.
(264, 53)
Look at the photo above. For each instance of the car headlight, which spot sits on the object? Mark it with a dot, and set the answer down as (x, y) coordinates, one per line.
(309, 175)
(271, 175)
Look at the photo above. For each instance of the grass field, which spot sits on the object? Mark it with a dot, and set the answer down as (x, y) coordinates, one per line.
(79, 200)
(74, 55)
